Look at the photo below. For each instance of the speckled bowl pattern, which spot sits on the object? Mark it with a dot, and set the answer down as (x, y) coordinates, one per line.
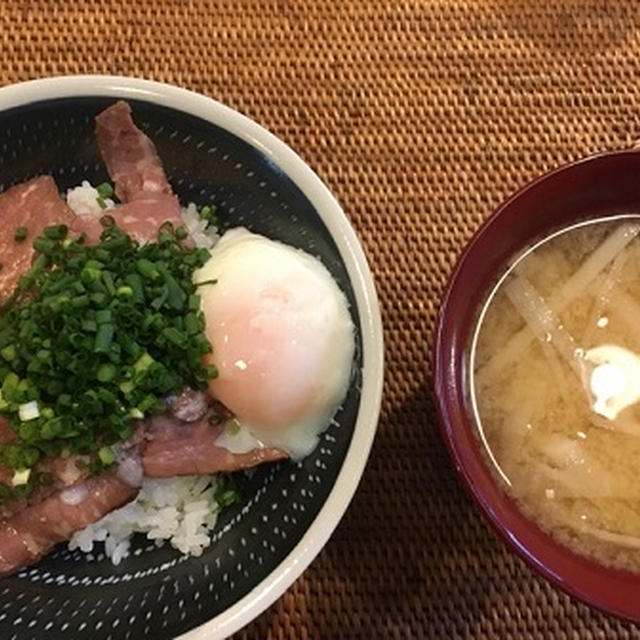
(210, 154)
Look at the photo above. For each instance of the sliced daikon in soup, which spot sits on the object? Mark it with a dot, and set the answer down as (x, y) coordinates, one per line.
(555, 385)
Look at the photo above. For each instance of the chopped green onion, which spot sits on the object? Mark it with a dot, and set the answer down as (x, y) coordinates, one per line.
(124, 291)
(105, 190)
(211, 371)
(175, 336)
(44, 245)
(104, 315)
(147, 403)
(56, 232)
(106, 372)
(227, 497)
(143, 362)
(99, 299)
(107, 278)
(20, 476)
(127, 386)
(89, 325)
(28, 411)
(147, 269)
(94, 338)
(106, 456)
(104, 337)
(137, 286)
(107, 222)
(209, 213)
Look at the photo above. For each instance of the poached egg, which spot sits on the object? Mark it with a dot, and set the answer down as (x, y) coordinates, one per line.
(282, 338)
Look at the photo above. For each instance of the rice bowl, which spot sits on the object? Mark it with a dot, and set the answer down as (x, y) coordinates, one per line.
(345, 239)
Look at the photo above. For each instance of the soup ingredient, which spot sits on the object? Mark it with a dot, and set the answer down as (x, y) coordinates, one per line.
(615, 379)
(32, 205)
(542, 321)
(560, 417)
(28, 535)
(567, 291)
(282, 339)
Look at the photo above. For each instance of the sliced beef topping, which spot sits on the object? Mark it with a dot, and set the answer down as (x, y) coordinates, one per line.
(33, 205)
(190, 405)
(176, 448)
(131, 158)
(140, 181)
(31, 533)
(142, 217)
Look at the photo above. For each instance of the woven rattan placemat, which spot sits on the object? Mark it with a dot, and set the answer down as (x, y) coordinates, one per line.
(421, 116)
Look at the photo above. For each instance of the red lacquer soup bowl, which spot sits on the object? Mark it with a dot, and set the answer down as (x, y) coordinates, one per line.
(601, 185)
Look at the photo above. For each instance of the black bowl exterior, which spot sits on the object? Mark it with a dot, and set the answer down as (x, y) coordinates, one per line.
(158, 593)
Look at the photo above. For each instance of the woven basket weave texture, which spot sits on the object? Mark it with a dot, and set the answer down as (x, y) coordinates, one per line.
(421, 116)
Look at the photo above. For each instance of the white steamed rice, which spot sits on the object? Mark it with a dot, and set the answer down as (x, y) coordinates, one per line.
(83, 200)
(179, 510)
(197, 227)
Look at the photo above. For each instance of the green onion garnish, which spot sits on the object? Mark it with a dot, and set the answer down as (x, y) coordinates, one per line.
(105, 190)
(106, 455)
(210, 214)
(94, 338)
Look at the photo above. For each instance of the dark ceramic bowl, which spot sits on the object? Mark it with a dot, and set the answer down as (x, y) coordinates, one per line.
(598, 186)
(211, 154)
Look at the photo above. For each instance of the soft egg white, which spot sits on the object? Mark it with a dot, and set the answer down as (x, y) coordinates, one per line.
(282, 338)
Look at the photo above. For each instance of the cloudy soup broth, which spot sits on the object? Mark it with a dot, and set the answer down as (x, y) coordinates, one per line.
(555, 386)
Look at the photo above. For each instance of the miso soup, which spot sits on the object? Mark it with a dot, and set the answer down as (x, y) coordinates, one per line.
(555, 386)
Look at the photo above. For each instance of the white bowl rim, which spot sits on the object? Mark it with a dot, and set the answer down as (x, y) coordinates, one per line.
(276, 583)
